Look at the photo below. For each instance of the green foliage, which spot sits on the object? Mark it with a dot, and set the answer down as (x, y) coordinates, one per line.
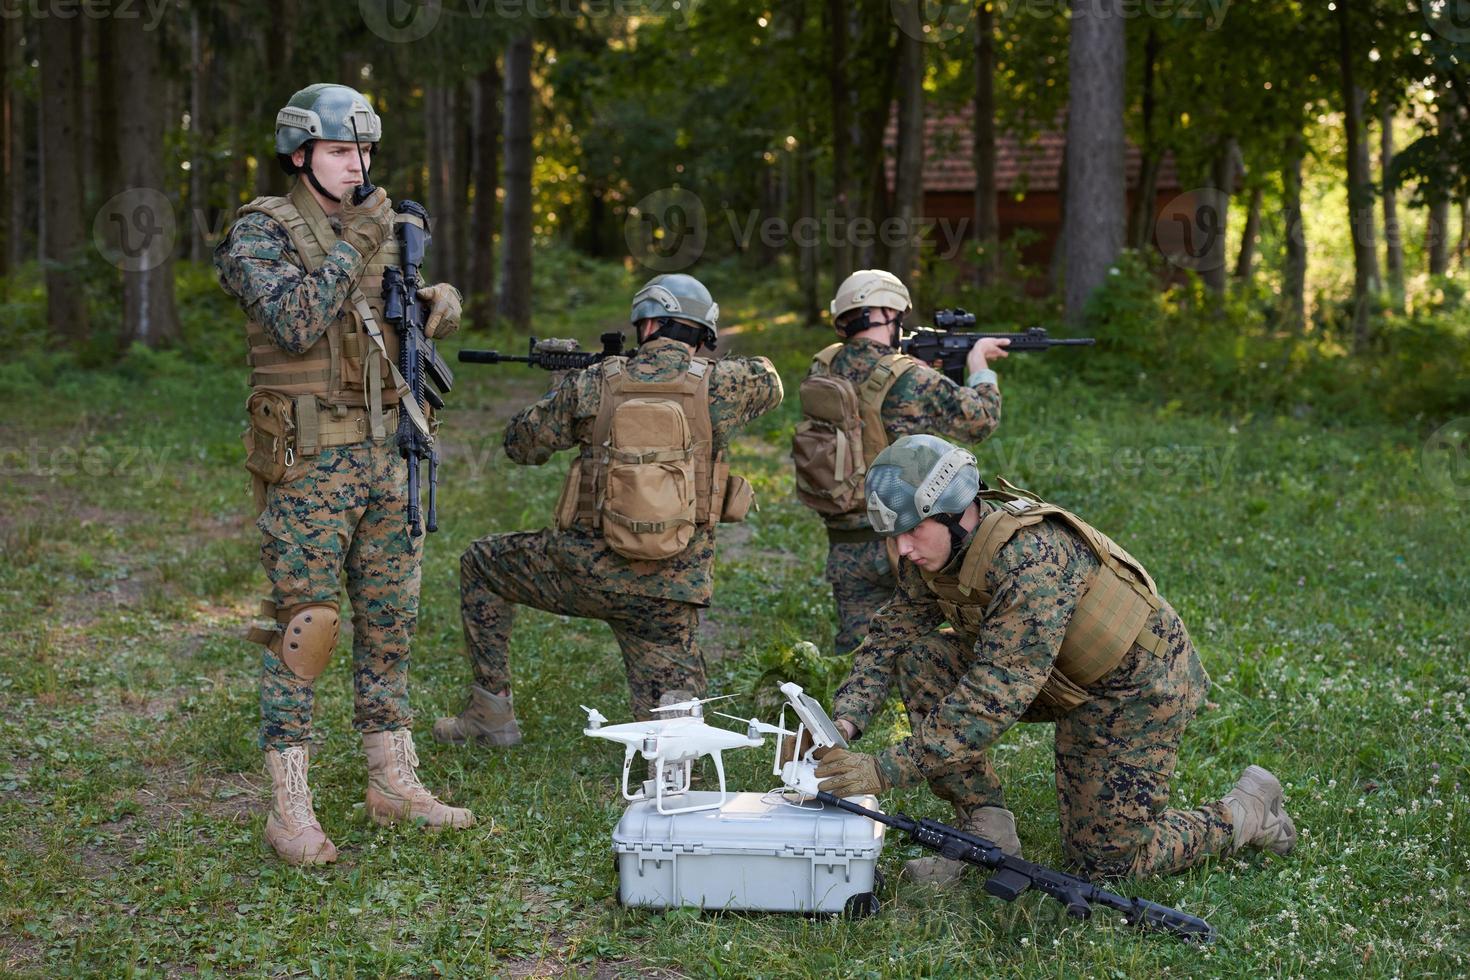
(1213, 353)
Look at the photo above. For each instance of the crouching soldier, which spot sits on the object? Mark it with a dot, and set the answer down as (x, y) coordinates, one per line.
(1051, 622)
(634, 541)
(330, 485)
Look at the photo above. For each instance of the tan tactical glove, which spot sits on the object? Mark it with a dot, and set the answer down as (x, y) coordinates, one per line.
(444, 310)
(365, 225)
(845, 773)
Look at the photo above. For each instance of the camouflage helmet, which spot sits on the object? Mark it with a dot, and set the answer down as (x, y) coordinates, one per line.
(916, 478)
(325, 112)
(870, 287)
(679, 296)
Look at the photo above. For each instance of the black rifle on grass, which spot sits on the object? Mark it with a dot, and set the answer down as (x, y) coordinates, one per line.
(1012, 875)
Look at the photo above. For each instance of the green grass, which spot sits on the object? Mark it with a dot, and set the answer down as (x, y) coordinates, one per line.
(1321, 571)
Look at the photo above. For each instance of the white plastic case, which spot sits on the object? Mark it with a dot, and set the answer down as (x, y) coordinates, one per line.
(754, 852)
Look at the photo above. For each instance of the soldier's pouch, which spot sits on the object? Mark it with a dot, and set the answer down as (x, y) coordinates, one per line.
(270, 435)
(566, 504)
(737, 497)
(1058, 696)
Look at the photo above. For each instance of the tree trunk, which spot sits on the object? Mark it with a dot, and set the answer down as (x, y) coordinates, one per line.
(149, 316)
(1141, 220)
(1437, 232)
(838, 93)
(14, 204)
(439, 143)
(109, 179)
(64, 239)
(908, 183)
(9, 69)
(461, 126)
(1462, 249)
(1359, 186)
(1392, 234)
(1294, 267)
(987, 218)
(481, 283)
(1223, 171)
(808, 242)
(1249, 237)
(515, 238)
(1095, 188)
(196, 219)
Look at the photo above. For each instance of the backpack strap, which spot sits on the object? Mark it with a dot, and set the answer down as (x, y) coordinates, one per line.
(871, 394)
(822, 360)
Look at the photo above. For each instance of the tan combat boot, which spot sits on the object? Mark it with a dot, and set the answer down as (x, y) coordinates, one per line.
(1257, 814)
(996, 824)
(489, 719)
(394, 791)
(292, 828)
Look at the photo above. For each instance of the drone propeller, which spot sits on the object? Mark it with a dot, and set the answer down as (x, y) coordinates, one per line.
(765, 728)
(687, 705)
(594, 717)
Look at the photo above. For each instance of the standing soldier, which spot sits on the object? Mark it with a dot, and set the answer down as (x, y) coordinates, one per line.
(858, 397)
(634, 542)
(331, 486)
(1051, 622)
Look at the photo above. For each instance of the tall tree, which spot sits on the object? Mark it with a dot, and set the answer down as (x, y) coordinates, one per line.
(1393, 241)
(1437, 232)
(1141, 219)
(1359, 182)
(149, 314)
(1095, 187)
(987, 217)
(10, 62)
(908, 184)
(64, 235)
(486, 144)
(836, 20)
(1250, 236)
(1294, 264)
(515, 239)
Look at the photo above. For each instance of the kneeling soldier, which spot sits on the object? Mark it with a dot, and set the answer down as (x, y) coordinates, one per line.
(634, 542)
(1051, 622)
(307, 269)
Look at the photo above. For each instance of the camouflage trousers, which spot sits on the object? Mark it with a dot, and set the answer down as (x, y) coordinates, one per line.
(656, 636)
(1114, 754)
(861, 580)
(344, 513)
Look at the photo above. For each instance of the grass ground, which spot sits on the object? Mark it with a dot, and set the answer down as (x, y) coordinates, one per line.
(1322, 573)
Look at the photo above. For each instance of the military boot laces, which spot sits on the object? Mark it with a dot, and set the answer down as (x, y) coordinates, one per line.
(1258, 814)
(292, 829)
(487, 719)
(394, 792)
(994, 823)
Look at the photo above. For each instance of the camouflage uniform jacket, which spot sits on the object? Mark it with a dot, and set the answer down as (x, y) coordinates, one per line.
(741, 389)
(258, 265)
(1035, 583)
(923, 400)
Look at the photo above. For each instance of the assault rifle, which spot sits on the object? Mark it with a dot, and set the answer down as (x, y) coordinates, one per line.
(1012, 875)
(946, 348)
(417, 360)
(552, 355)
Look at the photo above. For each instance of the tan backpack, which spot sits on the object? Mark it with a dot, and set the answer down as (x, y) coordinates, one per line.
(841, 432)
(651, 452)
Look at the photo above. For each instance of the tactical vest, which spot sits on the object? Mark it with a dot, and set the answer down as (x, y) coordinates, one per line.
(586, 485)
(1111, 616)
(841, 432)
(340, 385)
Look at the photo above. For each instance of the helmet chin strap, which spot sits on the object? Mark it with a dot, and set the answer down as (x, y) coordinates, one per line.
(311, 176)
(695, 337)
(864, 322)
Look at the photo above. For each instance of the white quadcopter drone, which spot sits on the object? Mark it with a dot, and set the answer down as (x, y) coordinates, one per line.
(672, 745)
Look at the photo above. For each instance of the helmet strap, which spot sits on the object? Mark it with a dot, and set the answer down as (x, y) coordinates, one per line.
(957, 533)
(306, 168)
(863, 322)
(674, 330)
